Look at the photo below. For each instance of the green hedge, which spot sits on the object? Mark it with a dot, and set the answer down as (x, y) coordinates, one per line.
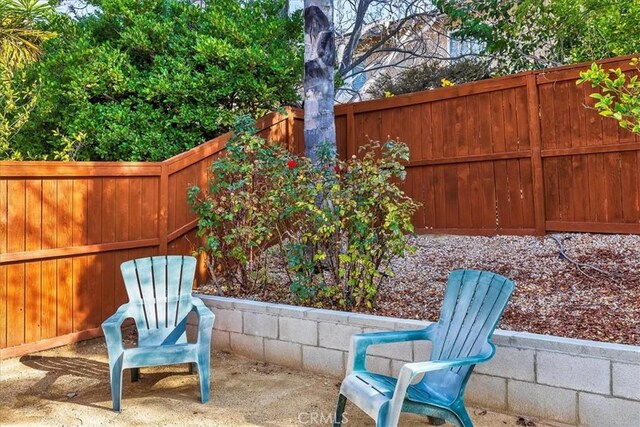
(147, 79)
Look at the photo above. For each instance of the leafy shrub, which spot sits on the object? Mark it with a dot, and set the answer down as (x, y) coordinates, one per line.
(249, 199)
(353, 224)
(331, 228)
(530, 34)
(429, 76)
(147, 79)
(20, 45)
(619, 97)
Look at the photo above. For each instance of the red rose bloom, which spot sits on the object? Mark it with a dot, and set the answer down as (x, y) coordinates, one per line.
(292, 164)
(336, 168)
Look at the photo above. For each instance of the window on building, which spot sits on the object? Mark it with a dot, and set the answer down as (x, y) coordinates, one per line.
(463, 47)
(359, 79)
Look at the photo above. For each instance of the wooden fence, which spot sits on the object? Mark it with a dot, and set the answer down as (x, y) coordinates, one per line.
(519, 154)
(513, 155)
(66, 227)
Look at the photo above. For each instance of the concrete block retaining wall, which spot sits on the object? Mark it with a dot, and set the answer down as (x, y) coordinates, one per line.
(576, 382)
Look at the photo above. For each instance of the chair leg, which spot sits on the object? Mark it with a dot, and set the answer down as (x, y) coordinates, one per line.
(203, 365)
(342, 400)
(192, 368)
(463, 417)
(115, 377)
(135, 374)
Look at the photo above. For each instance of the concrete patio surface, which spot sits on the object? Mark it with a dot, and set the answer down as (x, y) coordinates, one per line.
(69, 386)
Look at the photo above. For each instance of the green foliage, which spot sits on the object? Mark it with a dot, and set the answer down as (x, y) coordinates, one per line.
(147, 79)
(20, 45)
(249, 198)
(353, 224)
(332, 228)
(17, 100)
(528, 34)
(619, 96)
(429, 76)
(20, 38)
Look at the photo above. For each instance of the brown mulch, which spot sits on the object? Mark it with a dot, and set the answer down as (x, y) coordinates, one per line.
(553, 295)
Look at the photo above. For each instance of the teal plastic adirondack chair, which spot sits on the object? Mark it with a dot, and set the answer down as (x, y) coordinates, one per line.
(473, 304)
(160, 299)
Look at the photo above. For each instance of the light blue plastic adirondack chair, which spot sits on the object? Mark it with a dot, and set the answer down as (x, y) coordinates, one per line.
(159, 290)
(473, 304)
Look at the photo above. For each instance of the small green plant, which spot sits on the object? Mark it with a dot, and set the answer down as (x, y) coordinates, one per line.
(329, 229)
(619, 95)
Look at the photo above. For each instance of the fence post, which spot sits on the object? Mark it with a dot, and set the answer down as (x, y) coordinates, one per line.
(163, 210)
(536, 155)
(350, 143)
(290, 137)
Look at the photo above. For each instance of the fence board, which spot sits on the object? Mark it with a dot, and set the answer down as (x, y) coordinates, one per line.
(3, 271)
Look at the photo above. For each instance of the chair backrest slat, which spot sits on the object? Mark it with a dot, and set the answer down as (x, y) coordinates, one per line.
(159, 271)
(161, 289)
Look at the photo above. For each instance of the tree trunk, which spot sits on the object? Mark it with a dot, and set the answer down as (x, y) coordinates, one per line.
(319, 61)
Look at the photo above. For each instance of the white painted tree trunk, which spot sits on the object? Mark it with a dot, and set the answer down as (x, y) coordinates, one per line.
(319, 62)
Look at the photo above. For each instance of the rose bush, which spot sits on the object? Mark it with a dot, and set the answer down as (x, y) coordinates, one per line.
(328, 231)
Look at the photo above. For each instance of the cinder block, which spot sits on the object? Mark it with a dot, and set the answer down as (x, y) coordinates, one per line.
(596, 410)
(409, 324)
(213, 301)
(328, 315)
(298, 330)
(336, 336)
(283, 353)
(220, 341)
(287, 310)
(549, 403)
(487, 391)
(379, 365)
(422, 350)
(248, 305)
(510, 363)
(228, 320)
(396, 351)
(575, 372)
(372, 321)
(263, 325)
(323, 360)
(396, 365)
(626, 380)
(247, 345)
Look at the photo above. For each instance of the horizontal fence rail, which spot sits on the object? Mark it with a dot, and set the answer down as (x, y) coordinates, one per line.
(519, 154)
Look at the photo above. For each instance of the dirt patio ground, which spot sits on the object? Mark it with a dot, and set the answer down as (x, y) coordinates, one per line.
(69, 386)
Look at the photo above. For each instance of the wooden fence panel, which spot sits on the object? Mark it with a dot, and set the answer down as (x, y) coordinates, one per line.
(65, 228)
(589, 163)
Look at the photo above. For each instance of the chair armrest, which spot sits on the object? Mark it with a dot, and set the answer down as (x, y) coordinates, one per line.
(205, 319)
(410, 370)
(360, 343)
(417, 368)
(111, 328)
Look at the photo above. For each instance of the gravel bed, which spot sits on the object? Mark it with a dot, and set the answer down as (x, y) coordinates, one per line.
(553, 295)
